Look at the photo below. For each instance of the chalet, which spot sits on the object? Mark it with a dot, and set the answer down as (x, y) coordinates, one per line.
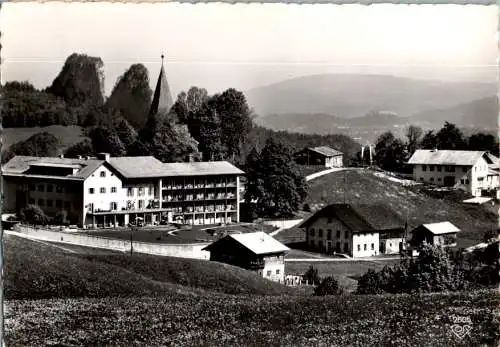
(324, 156)
(443, 233)
(359, 231)
(474, 171)
(256, 252)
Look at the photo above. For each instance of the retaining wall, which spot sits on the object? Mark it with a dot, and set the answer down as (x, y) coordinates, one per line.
(193, 251)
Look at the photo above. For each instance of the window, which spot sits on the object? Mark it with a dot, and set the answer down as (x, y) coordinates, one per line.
(330, 220)
(359, 248)
(421, 178)
(424, 167)
(58, 203)
(329, 236)
(59, 189)
(150, 191)
(450, 168)
(102, 174)
(346, 247)
(467, 181)
(67, 205)
(41, 202)
(50, 188)
(320, 233)
(364, 247)
(114, 206)
(338, 234)
(462, 181)
(113, 189)
(277, 271)
(431, 167)
(41, 188)
(32, 187)
(269, 273)
(141, 191)
(439, 179)
(141, 203)
(432, 179)
(346, 234)
(91, 207)
(373, 246)
(32, 201)
(130, 192)
(312, 232)
(464, 169)
(91, 190)
(102, 190)
(49, 203)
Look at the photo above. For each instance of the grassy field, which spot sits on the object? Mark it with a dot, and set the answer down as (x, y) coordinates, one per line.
(364, 187)
(68, 135)
(222, 320)
(35, 270)
(307, 170)
(56, 297)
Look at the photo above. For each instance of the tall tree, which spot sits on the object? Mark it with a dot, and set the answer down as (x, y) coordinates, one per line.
(413, 137)
(274, 183)
(81, 81)
(483, 142)
(429, 141)
(107, 140)
(42, 144)
(450, 137)
(132, 95)
(83, 148)
(390, 152)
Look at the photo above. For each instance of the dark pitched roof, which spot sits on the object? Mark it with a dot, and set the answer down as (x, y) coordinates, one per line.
(162, 98)
(360, 218)
(20, 164)
(326, 151)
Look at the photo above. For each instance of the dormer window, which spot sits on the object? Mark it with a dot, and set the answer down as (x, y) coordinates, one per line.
(103, 174)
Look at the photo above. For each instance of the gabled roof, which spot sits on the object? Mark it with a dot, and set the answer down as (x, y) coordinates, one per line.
(258, 243)
(360, 218)
(447, 157)
(439, 228)
(20, 164)
(162, 98)
(326, 151)
(138, 167)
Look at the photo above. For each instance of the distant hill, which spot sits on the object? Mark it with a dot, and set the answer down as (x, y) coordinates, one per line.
(480, 113)
(349, 95)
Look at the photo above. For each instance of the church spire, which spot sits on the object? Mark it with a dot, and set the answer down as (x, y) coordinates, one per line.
(162, 98)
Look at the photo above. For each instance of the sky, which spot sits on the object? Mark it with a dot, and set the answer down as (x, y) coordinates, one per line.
(218, 46)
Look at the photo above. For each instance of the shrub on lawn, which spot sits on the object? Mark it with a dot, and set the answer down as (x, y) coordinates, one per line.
(33, 214)
(328, 286)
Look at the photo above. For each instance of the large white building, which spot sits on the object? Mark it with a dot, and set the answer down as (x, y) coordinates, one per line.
(473, 171)
(106, 191)
(358, 231)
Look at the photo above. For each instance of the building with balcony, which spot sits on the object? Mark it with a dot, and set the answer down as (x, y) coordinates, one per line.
(473, 171)
(256, 252)
(105, 191)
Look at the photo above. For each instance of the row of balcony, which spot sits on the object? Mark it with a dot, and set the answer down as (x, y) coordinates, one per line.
(198, 186)
(204, 209)
(198, 197)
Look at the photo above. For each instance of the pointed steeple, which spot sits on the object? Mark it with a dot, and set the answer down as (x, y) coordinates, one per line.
(162, 98)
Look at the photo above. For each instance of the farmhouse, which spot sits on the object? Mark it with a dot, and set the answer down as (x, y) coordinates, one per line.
(324, 155)
(473, 171)
(443, 233)
(359, 231)
(257, 252)
(107, 191)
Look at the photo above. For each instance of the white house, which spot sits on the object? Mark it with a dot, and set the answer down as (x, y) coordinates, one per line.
(473, 171)
(106, 191)
(356, 230)
(440, 234)
(256, 251)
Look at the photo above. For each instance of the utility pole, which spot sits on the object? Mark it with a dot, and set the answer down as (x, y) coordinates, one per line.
(132, 228)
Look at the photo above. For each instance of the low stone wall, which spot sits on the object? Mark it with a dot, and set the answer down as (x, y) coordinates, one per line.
(193, 251)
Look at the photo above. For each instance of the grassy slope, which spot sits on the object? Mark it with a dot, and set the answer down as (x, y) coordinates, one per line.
(36, 270)
(187, 320)
(68, 135)
(364, 187)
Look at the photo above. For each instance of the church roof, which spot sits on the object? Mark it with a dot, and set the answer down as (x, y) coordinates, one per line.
(162, 98)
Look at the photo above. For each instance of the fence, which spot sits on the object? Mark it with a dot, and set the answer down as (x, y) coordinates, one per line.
(171, 250)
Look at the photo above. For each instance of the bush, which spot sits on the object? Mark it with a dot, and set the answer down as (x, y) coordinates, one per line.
(33, 214)
(311, 276)
(328, 286)
(306, 208)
